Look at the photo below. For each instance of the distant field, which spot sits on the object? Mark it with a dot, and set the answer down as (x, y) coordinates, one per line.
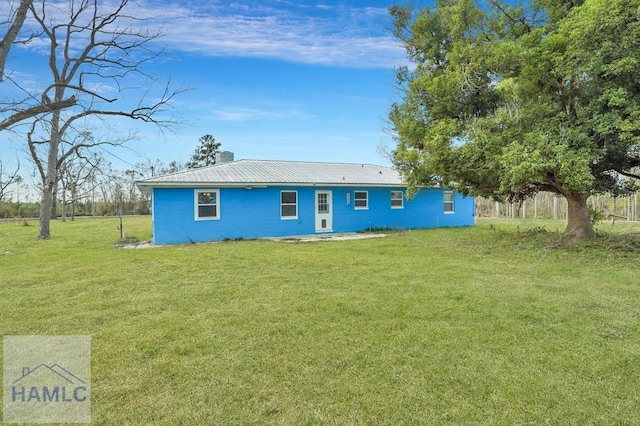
(497, 324)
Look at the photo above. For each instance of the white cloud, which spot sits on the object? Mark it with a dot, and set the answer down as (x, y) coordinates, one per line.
(318, 34)
(253, 114)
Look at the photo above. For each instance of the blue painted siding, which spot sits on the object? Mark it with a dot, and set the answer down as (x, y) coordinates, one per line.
(255, 213)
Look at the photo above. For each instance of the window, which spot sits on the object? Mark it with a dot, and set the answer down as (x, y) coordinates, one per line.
(397, 198)
(360, 200)
(323, 202)
(288, 205)
(207, 205)
(448, 202)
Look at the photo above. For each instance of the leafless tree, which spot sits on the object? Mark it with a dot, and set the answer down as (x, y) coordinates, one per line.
(78, 179)
(94, 48)
(148, 168)
(14, 24)
(8, 178)
(108, 181)
(10, 113)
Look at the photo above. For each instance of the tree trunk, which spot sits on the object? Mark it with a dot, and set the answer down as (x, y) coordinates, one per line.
(64, 206)
(51, 178)
(45, 212)
(54, 202)
(578, 220)
(73, 206)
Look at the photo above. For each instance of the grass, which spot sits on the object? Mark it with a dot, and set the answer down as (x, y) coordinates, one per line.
(497, 324)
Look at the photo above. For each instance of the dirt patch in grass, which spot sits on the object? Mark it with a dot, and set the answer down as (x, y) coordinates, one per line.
(328, 237)
(134, 243)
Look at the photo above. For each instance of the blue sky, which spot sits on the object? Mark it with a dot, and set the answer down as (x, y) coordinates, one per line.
(274, 79)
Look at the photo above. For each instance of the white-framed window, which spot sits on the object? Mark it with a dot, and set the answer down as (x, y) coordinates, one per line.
(207, 204)
(288, 204)
(448, 202)
(323, 202)
(397, 200)
(361, 200)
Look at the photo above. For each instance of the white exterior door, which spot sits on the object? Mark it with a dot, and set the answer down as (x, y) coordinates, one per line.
(324, 211)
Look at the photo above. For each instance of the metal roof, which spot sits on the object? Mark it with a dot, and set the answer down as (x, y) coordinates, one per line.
(268, 172)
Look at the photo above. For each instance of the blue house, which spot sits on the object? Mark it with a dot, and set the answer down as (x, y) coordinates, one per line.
(256, 198)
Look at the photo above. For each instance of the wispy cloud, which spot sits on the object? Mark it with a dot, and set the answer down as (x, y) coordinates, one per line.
(256, 114)
(313, 34)
(301, 32)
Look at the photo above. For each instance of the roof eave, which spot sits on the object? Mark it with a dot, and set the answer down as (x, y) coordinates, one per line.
(151, 185)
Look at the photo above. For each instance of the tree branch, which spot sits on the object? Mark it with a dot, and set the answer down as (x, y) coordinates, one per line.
(36, 110)
(12, 33)
(515, 20)
(32, 150)
(11, 177)
(629, 174)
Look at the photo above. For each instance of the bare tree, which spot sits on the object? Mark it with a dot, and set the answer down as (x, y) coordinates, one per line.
(132, 194)
(8, 178)
(174, 167)
(77, 179)
(109, 181)
(94, 48)
(12, 113)
(148, 168)
(15, 23)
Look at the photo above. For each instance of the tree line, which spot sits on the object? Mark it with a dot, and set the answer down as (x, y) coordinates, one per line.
(545, 205)
(89, 185)
(504, 100)
(93, 61)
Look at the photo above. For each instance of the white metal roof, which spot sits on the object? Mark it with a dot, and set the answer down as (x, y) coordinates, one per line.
(268, 172)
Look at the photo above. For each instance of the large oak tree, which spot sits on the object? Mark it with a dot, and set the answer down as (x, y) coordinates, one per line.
(505, 101)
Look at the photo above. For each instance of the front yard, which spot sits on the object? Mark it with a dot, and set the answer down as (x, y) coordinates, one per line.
(496, 324)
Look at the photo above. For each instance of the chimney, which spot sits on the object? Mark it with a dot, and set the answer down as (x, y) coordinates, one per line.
(224, 157)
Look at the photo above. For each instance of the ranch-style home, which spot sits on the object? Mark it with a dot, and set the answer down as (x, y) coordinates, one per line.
(260, 198)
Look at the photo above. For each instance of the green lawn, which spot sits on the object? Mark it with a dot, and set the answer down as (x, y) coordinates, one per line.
(497, 324)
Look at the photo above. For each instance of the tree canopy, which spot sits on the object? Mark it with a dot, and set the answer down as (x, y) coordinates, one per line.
(205, 153)
(505, 101)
